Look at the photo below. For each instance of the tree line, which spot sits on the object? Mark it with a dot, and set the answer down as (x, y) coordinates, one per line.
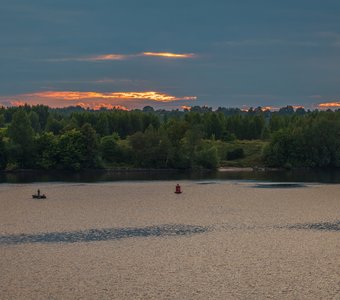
(39, 137)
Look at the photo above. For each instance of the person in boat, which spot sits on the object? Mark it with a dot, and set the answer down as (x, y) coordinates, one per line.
(38, 195)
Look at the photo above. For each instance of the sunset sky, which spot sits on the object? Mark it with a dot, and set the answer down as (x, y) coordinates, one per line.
(170, 54)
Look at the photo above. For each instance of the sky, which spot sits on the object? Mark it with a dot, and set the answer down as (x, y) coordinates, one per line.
(170, 54)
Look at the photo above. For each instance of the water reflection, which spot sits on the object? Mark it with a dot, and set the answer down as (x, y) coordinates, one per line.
(95, 235)
(278, 185)
(322, 176)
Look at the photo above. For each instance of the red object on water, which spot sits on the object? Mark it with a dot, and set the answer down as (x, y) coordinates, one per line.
(178, 189)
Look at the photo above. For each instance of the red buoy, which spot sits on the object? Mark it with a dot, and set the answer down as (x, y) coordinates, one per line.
(178, 189)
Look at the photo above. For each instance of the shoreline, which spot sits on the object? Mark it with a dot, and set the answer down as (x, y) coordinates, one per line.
(145, 170)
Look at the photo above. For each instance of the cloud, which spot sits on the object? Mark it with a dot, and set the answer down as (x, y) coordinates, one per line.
(266, 42)
(117, 57)
(169, 55)
(107, 57)
(268, 107)
(327, 105)
(96, 100)
(98, 106)
(76, 95)
(185, 107)
(263, 108)
(331, 36)
(96, 58)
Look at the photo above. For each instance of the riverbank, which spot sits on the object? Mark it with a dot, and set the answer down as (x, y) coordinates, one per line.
(123, 240)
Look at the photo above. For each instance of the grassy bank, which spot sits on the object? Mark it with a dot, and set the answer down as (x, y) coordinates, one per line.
(252, 153)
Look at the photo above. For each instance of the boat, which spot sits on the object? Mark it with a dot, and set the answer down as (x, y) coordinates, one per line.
(43, 196)
(39, 196)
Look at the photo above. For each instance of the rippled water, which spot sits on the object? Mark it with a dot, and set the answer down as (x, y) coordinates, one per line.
(95, 235)
(139, 240)
(322, 226)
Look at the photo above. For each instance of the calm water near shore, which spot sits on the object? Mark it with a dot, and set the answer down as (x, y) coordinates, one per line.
(316, 176)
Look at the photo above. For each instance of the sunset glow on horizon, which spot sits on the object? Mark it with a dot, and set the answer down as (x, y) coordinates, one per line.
(90, 105)
(98, 106)
(76, 95)
(268, 108)
(97, 100)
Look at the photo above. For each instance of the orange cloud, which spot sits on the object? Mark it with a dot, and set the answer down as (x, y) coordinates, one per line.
(98, 100)
(103, 57)
(98, 106)
(71, 95)
(107, 57)
(170, 55)
(267, 108)
(117, 56)
(246, 108)
(185, 107)
(17, 103)
(329, 104)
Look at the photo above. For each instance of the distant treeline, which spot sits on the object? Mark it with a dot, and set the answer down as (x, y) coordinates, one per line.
(39, 137)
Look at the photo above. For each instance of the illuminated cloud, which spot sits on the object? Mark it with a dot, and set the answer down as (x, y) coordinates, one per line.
(185, 107)
(169, 55)
(107, 57)
(335, 104)
(71, 95)
(17, 103)
(96, 58)
(97, 100)
(98, 106)
(246, 108)
(263, 108)
(115, 56)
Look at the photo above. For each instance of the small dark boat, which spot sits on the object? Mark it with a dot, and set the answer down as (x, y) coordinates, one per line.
(39, 196)
(43, 196)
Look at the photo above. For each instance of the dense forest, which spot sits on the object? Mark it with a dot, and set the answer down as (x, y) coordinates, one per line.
(39, 137)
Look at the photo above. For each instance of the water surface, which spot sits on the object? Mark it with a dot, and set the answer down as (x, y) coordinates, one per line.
(319, 176)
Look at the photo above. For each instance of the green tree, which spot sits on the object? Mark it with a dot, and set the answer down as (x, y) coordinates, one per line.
(102, 126)
(207, 158)
(71, 150)
(2, 120)
(21, 135)
(34, 120)
(3, 154)
(110, 148)
(53, 125)
(151, 149)
(91, 146)
(46, 151)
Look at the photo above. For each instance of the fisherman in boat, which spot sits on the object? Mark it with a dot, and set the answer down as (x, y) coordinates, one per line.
(38, 195)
